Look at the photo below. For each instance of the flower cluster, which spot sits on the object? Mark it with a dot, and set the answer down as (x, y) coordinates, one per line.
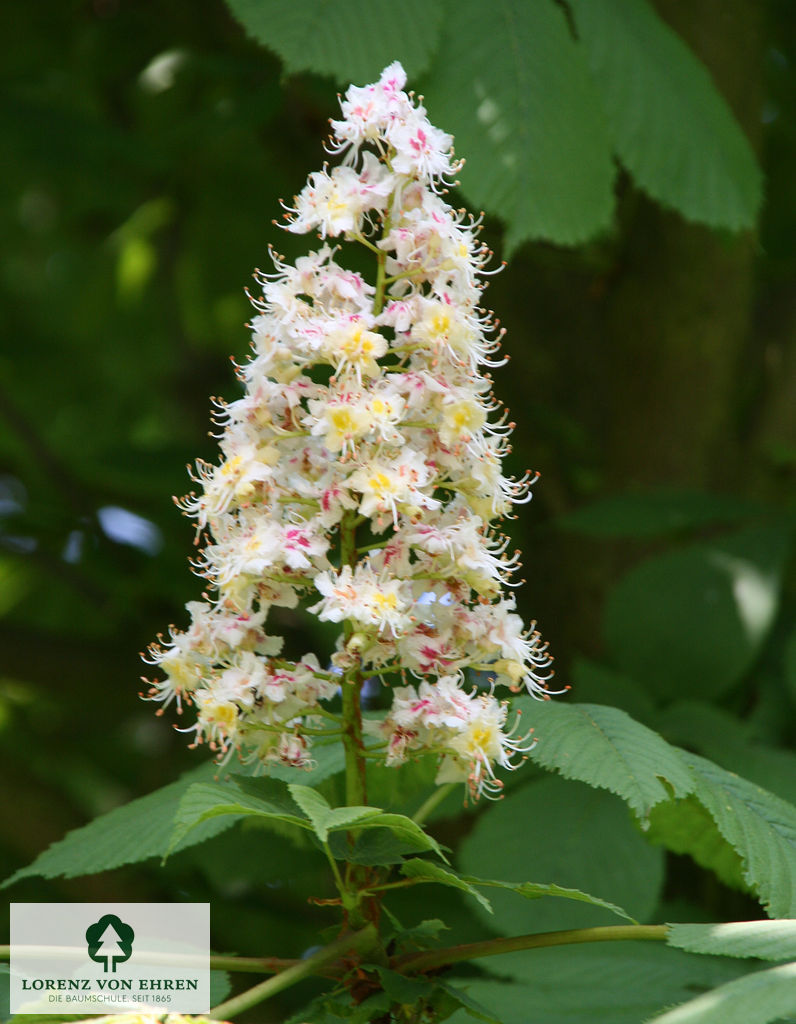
(363, 465)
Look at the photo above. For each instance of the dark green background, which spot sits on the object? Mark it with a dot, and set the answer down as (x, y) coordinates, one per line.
(145, 147)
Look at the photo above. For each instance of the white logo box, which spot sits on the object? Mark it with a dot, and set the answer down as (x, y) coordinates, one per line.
(110, 957)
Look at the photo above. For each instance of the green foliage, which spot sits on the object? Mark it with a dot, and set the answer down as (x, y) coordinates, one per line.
(623, 983)
(428, 871)
(539, 832)
(133, 215)
(733, 744)
(760, 826)
(685, 826)
(790, 665)
(272, 800)
(767, 940)
(457, 997)
(755, 999)
(353, 39)
(542, 110)
(694, 619)
(528, 121)
(137, 831)
(605, 747)
(220, 986)
(659, 513)
(206, 801)
(324, 818)
(668, 124)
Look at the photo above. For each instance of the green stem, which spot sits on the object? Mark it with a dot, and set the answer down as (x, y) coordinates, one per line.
(341, 887)
(413, 963)
(345, 945)
(381, 275)
(373, 547)
(364, 241)
(221, 962)
(252, 964)
(356, 793)
(436, 798)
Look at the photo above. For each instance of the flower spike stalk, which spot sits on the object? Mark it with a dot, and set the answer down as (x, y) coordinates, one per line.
(361, 477)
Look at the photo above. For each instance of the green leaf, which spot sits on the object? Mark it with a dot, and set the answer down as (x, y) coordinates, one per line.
(605, 747)
(539, 831)
(220, 987)
(214, 799)
(456, 997)
(760, 827)
(135, 832)
(755, 999)
(5, 986)
(406, 829)
(375, 847)
(609, 983)
(526, 118)
(428, 871)
(535, 891)
(324, 818)
(685, 826)
(691, 622)
(658, 513)
(420, 936)
(723, 738)
(403, 990)
(358, 38)
(670, 126)
(767, 940)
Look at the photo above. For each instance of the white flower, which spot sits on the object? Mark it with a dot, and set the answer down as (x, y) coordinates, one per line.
(336, 203)
(364, 598)
(363, 463)
(390, 487)
(421, 150)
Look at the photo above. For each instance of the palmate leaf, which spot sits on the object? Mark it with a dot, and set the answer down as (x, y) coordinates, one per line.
(669, 125)
(605, 747)
(427, 871)
(358, 37)
(569, 834)
(324, 818)
(209, 800)
(685, 826)
(538, 113)
(656, 513)
(526, 118)
(449, 997)
(767, 940)
(690, 622)
(142, 828)
(609, 983)
(536, 890)
(403, 828)
(759, 826)
(754, 999)
(135, 832)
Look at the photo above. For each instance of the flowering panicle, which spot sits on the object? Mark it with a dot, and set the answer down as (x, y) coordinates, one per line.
(361, 472)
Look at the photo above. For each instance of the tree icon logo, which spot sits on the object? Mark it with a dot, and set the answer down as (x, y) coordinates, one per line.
(110, 941)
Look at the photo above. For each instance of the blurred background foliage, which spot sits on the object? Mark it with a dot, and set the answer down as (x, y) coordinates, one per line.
(652, 377)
